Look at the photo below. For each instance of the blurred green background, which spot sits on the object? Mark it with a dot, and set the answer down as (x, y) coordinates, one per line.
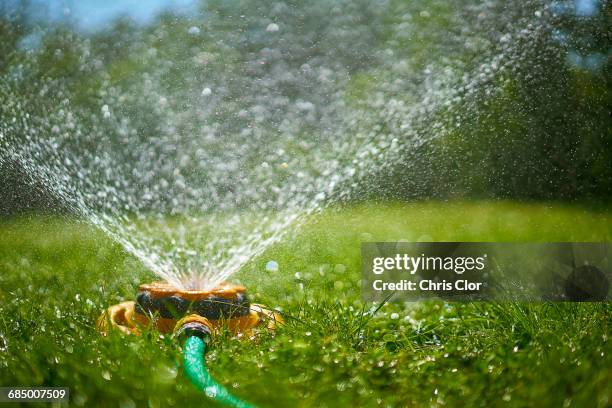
(546, 133)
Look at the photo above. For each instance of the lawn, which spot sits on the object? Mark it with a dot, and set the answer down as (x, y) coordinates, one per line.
(56, 276)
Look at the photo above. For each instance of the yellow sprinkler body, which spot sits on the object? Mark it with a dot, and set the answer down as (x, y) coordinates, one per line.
(169, 309)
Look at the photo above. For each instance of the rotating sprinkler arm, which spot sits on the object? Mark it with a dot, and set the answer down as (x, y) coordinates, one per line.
(195, 332)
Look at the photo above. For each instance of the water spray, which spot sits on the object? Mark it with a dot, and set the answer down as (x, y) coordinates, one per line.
(194, 317)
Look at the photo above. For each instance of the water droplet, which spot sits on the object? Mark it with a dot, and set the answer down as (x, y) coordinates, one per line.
(272, 266)
(166, 374)
(3, 343)
(272, 28)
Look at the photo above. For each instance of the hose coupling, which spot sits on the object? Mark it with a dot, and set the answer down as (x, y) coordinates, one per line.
(193, 325)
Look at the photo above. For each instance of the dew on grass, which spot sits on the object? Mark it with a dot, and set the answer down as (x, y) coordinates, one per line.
(272, 266)
(166, 374)
(323, 269)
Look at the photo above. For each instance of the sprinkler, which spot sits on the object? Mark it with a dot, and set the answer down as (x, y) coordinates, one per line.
(194, 317)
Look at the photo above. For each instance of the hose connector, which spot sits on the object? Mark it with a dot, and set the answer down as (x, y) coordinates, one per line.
(193, 325)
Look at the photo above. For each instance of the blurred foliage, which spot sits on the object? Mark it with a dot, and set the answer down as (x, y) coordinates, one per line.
(545, 134)
(549, 133)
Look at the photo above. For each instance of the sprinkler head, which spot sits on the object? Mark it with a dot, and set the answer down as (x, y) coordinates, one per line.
(162, 306)
(225, 301)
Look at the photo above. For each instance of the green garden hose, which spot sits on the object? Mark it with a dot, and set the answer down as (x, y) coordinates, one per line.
(195, 368)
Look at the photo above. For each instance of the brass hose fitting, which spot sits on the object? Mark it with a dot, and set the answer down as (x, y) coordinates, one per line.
(193, 325)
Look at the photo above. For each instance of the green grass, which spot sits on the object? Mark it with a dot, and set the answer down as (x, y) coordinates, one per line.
(57, 276)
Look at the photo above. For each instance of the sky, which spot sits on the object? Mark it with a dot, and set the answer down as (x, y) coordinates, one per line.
(94, 14)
